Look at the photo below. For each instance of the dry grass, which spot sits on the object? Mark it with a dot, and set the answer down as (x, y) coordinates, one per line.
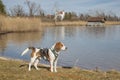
(8, 24)
(112, 23)
(11, 70)
(71, 23)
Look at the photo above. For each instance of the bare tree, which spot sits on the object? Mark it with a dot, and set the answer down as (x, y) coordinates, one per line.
(40, 12)
(17, 11)
(33, 8)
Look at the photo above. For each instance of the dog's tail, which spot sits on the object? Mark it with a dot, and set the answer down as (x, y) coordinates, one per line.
(25, 51)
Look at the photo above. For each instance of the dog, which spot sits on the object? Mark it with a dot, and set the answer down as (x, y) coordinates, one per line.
(49, 54)
(59, 15)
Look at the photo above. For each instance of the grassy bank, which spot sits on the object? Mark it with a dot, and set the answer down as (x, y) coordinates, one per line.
(18, 70)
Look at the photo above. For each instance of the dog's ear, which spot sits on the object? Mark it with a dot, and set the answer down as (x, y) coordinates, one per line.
(58, 46)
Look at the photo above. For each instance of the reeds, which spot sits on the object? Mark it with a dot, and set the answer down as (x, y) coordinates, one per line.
(17, 24)
(24, 24)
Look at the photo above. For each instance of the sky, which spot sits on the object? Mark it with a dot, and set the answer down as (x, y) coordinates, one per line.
(78, 6)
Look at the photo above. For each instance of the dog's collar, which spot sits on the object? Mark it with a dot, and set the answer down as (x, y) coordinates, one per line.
(54, 52)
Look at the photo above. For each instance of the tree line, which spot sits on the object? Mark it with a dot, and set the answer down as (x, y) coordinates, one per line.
(35, 10)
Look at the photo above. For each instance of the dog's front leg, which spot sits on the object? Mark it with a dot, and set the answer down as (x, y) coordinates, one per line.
(51, 65)
(55, 65)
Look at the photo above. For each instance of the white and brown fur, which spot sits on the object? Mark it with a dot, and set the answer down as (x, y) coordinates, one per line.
(36, 55)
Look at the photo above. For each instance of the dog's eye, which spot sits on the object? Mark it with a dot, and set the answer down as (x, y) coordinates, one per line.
(62, 45)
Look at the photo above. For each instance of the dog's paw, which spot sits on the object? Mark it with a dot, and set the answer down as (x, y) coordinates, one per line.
(51, 70)
(38, 69)
(55, 70)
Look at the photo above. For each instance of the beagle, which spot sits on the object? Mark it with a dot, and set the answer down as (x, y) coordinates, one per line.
(49, 54)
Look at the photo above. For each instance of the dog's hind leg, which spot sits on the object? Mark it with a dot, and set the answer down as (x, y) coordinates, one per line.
(31, 62)
(36, 63)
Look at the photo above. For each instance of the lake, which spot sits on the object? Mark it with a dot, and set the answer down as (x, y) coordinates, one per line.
(88, 47)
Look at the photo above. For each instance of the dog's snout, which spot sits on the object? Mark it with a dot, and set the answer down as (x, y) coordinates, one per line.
(66, 48)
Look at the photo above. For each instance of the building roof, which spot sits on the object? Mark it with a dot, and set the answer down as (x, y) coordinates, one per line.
(96, 19)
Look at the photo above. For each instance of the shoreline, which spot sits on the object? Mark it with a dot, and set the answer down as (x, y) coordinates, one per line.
(47, 65)
(17, 69)
(112, 23)
(76, 23)
(39, 27)
(27, 62)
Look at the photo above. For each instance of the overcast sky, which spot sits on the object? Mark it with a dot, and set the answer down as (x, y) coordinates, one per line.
(78, 6)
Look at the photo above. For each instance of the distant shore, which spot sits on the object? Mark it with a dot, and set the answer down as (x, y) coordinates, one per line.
(76, 23)
(11, 25)
(112, 23)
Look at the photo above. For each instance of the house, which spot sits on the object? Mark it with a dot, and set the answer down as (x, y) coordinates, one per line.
(96, 21)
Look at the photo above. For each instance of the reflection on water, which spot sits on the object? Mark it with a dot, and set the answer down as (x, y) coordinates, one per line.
(19, 39)
(3, 44)
(88, 47)
(97, 32)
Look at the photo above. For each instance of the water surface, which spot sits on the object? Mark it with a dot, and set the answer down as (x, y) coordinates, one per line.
(88, 47)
